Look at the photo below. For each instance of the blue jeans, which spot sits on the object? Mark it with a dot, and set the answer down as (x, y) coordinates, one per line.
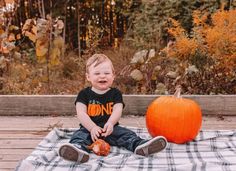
(120, 137)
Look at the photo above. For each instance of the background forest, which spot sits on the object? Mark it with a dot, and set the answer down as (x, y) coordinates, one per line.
(155, 45)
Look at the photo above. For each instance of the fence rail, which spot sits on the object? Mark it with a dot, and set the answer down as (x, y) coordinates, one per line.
(60, 105)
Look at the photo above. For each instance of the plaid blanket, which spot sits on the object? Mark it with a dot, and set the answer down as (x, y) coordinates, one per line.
(211, 150)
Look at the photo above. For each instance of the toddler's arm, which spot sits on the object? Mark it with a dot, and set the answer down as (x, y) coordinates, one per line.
(114, 118)
(86, 121)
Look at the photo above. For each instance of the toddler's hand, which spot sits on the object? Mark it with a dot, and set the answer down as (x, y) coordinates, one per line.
(107, 129)
(95, 133)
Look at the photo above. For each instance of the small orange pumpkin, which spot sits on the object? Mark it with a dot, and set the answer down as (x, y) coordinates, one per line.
(94, 109)
(100, 147)
(176, 118)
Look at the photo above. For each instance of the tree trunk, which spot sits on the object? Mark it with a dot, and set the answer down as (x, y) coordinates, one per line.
(64, 31)
(79, 46)
(49, 47)
(43, 9)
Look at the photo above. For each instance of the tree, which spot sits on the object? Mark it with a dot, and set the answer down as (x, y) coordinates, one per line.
(149, 22)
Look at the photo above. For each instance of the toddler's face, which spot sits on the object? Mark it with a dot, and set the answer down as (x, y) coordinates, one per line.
(101, 76)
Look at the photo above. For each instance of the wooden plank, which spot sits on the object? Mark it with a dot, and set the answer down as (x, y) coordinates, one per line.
(17, 125)
(21, 136)
(20, 133)
(63, 105)
(37, 105)
(4, 166)
(19, 143)
(7, 169)
(15, 151)
(210, 104)
(13, 157)
(36, 125)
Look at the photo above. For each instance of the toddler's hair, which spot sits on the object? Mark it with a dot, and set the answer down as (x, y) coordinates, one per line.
(97, 59)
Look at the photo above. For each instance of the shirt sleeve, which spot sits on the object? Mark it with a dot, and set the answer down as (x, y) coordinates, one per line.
(82, 97)
(118, 98)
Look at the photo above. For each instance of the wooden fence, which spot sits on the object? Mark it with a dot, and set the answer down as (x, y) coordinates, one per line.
(59, 105)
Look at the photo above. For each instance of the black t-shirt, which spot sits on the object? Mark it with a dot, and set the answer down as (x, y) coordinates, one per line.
(99, 106)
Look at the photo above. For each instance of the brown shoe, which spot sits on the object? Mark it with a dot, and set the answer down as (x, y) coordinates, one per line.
(70, 152)
(152, 146)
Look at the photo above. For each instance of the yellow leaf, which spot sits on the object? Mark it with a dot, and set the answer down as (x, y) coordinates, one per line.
(12, 27)
(27, 24)
(5, 50)
(11, 37)
(34, 30)
(59, 25)
(44, 78)
(31, 36)
(18, 36)
(41, 59)
(1, 31)
(41, 48)
(54, 56)
(58, 42)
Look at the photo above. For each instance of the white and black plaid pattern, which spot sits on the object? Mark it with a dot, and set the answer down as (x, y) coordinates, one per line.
(210, 151)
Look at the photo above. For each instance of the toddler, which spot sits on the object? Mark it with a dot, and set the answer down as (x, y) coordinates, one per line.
(99, 109)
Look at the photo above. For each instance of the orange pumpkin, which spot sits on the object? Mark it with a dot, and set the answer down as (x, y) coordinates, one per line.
(94, 109)
(100, 147)
(176, 118)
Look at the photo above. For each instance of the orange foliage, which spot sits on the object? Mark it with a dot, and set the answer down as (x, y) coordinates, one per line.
(199, 19)
(176, 30)
(183, 48)
(220, 38)
(212, 35)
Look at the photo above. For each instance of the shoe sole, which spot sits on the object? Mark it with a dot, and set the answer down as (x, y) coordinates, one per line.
(71, 153)
(154, 146)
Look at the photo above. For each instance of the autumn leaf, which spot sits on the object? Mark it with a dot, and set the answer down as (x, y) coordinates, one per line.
(34, 30)
(11, 37)
(54, 56)
(18, 36)
(5, 50)
(13, 27)
(1, 31)
(58, 42)
(31, 36)
(41, 48)
(59, 25)
(29, 29)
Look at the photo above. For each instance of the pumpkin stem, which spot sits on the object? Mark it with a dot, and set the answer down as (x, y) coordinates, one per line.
(177, 92)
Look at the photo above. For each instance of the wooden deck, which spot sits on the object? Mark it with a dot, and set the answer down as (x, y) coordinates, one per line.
(27, 119)
(19, 135)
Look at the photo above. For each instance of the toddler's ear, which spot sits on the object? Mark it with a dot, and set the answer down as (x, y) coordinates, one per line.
(87, 76)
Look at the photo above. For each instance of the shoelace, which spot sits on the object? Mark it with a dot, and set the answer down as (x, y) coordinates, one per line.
(145, 150)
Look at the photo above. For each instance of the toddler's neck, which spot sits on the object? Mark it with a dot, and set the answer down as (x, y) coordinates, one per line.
(99, 91)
